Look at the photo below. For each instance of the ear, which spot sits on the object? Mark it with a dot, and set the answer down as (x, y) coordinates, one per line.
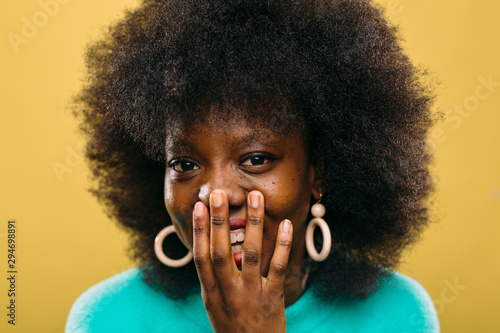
(315, 178)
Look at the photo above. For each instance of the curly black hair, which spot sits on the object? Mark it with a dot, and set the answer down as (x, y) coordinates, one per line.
(337, 65)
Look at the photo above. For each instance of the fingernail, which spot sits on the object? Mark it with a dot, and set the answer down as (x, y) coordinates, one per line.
(217, 199)
(254, 200)
(198, 209)
(286, 226)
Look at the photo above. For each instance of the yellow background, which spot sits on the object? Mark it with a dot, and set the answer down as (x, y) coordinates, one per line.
(66, 244)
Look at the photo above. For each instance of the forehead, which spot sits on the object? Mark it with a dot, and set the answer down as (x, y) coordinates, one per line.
(233, 129)
(240, 125)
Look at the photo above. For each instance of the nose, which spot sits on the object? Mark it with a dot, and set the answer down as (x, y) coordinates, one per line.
(223, 179)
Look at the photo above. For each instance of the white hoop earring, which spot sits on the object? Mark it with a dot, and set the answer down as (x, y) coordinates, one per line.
(161, 255)
(318, 211)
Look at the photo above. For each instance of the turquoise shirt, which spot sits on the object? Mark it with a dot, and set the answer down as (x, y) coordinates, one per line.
(125, 303)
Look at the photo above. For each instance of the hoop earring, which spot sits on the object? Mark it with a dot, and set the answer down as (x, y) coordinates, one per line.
(318, 211)
(161, 255)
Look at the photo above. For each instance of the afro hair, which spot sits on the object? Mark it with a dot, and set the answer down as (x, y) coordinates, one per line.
(336, 64)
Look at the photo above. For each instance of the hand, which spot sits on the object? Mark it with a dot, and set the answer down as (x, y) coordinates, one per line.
(239, 301)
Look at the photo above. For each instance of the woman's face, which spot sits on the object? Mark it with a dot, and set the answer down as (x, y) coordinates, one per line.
(239, 157)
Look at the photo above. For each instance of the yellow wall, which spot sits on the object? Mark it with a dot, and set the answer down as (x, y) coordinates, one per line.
(66, 244)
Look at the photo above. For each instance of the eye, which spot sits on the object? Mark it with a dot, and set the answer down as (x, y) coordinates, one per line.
(255, 160)
(182, 165)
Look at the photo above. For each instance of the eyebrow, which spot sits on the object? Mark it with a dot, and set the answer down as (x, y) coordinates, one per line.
(180, 146)
(261, 138)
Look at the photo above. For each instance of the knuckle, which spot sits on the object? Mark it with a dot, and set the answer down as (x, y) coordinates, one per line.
(284, 243)
(198, 229)
(251, 257)
(253, 220)
(217, 221)
(266, 307)
(279, 268)
(218, 258)
(199, 259)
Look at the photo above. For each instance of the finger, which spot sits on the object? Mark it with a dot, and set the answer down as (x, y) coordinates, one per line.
(201, 245)
(220, 241)
(252, 245)
(279, 261)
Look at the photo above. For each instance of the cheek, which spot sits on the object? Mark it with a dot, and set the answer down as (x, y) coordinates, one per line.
(170, 201)
(290, 200)
(183, 228)
(180, 213)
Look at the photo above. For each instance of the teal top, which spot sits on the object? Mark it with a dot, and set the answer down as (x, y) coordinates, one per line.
(125, 303)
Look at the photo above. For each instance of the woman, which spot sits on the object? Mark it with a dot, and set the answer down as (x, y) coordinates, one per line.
(241, 126)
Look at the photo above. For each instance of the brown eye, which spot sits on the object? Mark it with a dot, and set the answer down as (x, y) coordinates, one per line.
(255, 160)
(182, 165)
